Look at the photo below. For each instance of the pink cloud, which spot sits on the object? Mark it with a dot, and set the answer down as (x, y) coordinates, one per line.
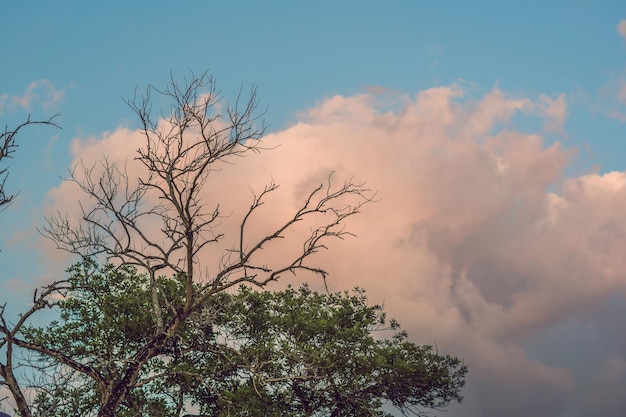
(554, 111)
(621, 91)
(621, 28)
(466, 247)
(613, 99)
(39, 92)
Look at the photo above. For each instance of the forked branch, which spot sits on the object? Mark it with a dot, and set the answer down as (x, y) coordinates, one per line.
(8, 146)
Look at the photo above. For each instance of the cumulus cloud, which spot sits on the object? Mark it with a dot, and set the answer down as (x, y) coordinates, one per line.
(38, 93)
(466, 247)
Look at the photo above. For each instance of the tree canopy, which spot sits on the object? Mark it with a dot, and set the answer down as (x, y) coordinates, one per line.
(280, 353)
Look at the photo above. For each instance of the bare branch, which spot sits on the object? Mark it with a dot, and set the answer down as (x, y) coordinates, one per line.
(8, 146)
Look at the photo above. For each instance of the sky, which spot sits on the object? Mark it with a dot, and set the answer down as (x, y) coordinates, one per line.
(493, 132)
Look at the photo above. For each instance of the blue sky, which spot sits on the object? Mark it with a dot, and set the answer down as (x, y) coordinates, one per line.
(307, 60)
(297, 54)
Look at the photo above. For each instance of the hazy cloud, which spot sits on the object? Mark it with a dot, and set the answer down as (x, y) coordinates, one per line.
(613, 98)
(38, 93)
(467, 247)
(621, 28)
(613, 94)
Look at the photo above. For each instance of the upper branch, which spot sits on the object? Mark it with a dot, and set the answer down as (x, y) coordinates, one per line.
(179, 152)
(326, 204)
(8, 146)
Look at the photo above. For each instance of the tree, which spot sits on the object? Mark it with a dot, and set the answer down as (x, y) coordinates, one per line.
(282, 353)
(179, 153)
(151, 333)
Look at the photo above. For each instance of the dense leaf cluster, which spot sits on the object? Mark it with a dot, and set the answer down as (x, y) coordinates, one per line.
(285, 353)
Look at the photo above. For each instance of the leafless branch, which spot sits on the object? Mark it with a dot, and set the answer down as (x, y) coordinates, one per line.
(8, 146)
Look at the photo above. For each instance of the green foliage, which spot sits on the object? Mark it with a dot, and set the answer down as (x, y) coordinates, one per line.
(286, 353)
(103, 321)
(298, 352)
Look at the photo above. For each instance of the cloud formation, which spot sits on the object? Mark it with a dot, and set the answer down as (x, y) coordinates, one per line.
(479, 243)
(39, 92)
